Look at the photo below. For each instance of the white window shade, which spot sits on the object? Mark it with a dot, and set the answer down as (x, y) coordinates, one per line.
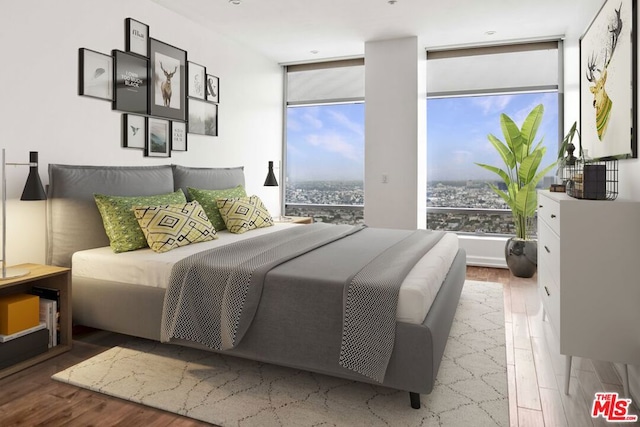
(339, 81)
(524, 67)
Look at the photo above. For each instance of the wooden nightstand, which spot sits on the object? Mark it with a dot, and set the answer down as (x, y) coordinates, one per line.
(295, 219)
(50, 277)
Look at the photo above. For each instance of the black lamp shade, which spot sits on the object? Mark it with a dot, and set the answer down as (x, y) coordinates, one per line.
(271, 178)
(33, 189)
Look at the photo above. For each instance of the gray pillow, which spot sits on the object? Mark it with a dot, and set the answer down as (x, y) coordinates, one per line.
(207, 178)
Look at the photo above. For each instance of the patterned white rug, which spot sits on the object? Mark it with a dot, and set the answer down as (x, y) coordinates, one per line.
(471, 386)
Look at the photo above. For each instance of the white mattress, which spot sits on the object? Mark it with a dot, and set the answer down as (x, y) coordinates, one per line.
(147, 268)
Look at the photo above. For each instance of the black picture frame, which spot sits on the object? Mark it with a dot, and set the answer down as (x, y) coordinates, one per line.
(134, 131)
(167, 96)
(213, 88)
(178, 136)
(196, 81)
(130, 75)
(158, 141)
(203, 117)
(608, 83)
(136, 37)
(95, 74)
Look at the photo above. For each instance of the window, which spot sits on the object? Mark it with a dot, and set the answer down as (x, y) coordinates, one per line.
(460, 115)
(325, 142)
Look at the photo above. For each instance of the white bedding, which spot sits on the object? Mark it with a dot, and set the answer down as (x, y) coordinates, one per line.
(147, 268)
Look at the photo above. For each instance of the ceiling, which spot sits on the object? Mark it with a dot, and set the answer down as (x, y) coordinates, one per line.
(289, 30)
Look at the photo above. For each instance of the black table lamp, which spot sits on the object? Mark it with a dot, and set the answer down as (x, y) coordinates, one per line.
(33, 190)
(271, 177)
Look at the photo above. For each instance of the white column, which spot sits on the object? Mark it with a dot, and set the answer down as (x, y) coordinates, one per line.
(395, 134)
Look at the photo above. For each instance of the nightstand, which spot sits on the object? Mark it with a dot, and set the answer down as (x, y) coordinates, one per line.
(295, 219)
(49, 277)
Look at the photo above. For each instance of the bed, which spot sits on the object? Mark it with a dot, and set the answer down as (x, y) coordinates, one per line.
(296, 321)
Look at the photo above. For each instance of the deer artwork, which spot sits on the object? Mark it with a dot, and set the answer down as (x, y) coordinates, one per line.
(601, 101)
(165, 87)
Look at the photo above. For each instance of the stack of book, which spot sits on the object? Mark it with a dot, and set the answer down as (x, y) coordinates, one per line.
(49, 311)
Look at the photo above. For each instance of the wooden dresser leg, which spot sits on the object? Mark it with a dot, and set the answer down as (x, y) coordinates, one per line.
(415, 400)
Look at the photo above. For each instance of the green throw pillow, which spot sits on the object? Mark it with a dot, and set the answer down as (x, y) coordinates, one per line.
(120, 222)
(207, 198)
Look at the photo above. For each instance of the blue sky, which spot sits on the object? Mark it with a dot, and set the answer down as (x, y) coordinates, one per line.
(327, 142)
(457, 130)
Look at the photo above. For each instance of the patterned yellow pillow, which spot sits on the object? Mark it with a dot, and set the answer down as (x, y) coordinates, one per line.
(244, 213)
(171, 226)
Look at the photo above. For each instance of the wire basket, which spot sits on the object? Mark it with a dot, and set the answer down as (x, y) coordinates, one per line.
(592, 179)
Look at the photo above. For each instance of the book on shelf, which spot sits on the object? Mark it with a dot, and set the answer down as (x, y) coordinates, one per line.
(51, 294)
(7, 338)
(48, 309)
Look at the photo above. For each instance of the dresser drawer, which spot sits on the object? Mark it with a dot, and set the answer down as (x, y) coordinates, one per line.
(549, 212)
(549, 250)
(550, 296)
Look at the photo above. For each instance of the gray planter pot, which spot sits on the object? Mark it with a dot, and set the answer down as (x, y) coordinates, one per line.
(521, 256)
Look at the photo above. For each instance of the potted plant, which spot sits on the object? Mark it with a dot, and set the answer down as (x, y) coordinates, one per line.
(522, 158)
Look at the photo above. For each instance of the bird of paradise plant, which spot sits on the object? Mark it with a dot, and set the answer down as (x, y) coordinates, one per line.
(522, 158)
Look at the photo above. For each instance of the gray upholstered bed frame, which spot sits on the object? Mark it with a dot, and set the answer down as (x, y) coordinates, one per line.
(74, 224)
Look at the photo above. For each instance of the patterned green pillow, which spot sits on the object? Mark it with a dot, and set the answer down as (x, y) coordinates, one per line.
(207, 198)
(120, 222)
(244, 214)
(171, 226)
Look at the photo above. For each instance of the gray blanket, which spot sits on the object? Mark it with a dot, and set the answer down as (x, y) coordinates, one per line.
(213, 296)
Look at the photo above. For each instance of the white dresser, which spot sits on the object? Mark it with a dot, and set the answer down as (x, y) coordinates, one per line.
(589, 276)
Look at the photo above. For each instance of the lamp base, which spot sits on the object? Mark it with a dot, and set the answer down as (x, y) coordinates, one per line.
(12, 273)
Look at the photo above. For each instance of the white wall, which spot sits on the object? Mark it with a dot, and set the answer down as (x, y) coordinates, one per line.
(395, 122)
(41, 111)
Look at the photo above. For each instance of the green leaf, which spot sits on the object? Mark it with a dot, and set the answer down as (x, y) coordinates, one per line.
(532, 123)
(530, 165)
(504, 196)
(512, 135)
(507, 156)
(500, 172)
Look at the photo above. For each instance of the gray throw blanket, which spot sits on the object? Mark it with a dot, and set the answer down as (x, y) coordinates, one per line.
(213, 295)
(207, 291)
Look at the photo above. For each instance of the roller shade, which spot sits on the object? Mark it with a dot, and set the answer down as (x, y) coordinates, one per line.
(519, 67)
(335, 81)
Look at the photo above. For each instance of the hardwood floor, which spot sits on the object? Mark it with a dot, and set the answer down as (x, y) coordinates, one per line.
(535, 371)
(535, 367)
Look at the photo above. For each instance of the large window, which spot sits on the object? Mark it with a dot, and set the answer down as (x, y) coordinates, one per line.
(462, 112)
(324, 170)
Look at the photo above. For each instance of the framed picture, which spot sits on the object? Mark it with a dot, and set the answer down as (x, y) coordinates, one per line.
(130, 77)
(134, 131)
(608, 94)
(213, 88)
(158, 142)
(178, 136)
(203, 117)
(95, 74)
(168, 81)
(196, 81)
(137, 37)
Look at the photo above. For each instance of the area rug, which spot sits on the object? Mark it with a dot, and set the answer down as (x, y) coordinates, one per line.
(471, 386)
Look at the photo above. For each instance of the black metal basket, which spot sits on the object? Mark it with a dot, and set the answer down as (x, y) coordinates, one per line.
(592, 179)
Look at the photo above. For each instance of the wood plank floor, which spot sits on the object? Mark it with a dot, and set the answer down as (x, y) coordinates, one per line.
(535, 376)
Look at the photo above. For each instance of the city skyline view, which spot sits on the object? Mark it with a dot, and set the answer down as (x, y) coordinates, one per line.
(326, 142)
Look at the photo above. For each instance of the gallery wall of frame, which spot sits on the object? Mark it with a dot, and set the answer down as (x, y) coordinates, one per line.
(163, 97)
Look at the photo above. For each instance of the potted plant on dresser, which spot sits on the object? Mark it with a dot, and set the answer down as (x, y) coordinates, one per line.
(522, 157)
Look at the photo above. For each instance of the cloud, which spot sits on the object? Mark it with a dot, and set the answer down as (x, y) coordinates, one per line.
(335, 143)
(346, 122)
(492, 104)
